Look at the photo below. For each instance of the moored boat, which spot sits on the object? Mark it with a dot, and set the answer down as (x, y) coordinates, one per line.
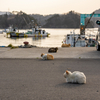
(74, 40)
(36, 32)
(13, 32)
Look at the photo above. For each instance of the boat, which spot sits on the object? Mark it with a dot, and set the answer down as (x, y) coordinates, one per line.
(4, 30)
(1, 32)
(37, 32)
(14, 32)
(74, 40)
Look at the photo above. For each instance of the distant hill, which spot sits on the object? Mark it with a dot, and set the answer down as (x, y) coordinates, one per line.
(67, 20)
(41, 19)
(20, 20)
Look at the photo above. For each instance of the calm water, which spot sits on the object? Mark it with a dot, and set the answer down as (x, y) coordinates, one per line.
(54, 40)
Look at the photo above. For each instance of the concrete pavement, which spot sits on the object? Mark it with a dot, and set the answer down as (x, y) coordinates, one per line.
(36, 79)
(35, 52)
(29, 78)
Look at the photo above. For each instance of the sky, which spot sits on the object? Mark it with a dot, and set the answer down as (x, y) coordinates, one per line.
(46, 7)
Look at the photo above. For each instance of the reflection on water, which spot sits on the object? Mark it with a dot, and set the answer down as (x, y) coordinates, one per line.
(54, 40)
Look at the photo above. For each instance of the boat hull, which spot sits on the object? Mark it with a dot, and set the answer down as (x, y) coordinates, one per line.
(27, 35)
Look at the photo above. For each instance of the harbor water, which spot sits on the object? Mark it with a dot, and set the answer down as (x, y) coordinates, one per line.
(54, 40)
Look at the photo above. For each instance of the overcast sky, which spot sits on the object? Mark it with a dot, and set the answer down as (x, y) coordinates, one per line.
(46, 7)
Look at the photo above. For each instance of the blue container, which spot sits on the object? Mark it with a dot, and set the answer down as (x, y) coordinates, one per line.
(2, 46)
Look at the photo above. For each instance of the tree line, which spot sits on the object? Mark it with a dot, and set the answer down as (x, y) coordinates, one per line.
(22, 20)
(69, 20)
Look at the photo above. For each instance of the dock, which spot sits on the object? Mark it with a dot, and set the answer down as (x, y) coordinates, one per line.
(35, 52)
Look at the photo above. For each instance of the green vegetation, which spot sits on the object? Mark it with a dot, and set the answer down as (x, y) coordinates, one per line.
(23, 21)
(68, 20)
(12, 47)
(20, 20)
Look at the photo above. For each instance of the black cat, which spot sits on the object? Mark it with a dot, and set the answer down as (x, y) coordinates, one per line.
(53, 49)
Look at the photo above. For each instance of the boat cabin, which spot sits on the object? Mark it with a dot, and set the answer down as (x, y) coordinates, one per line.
(75, 40)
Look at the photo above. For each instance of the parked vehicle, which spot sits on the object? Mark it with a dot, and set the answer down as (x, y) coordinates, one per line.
(98, 36)
(98, 41)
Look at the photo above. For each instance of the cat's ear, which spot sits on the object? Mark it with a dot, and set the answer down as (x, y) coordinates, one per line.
(42, 54)
(67, 72)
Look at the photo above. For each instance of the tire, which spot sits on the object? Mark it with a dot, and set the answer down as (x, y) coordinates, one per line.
(98, 47)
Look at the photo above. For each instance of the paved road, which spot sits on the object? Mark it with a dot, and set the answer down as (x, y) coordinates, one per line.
(77, 52)
(35, 79)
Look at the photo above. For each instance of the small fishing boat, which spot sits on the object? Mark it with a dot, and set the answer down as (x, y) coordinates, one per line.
(13, 32)
(74, 40)
(37, 32)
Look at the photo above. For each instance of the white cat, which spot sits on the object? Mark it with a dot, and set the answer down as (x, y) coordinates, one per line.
(75, 77)
(47, 56)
